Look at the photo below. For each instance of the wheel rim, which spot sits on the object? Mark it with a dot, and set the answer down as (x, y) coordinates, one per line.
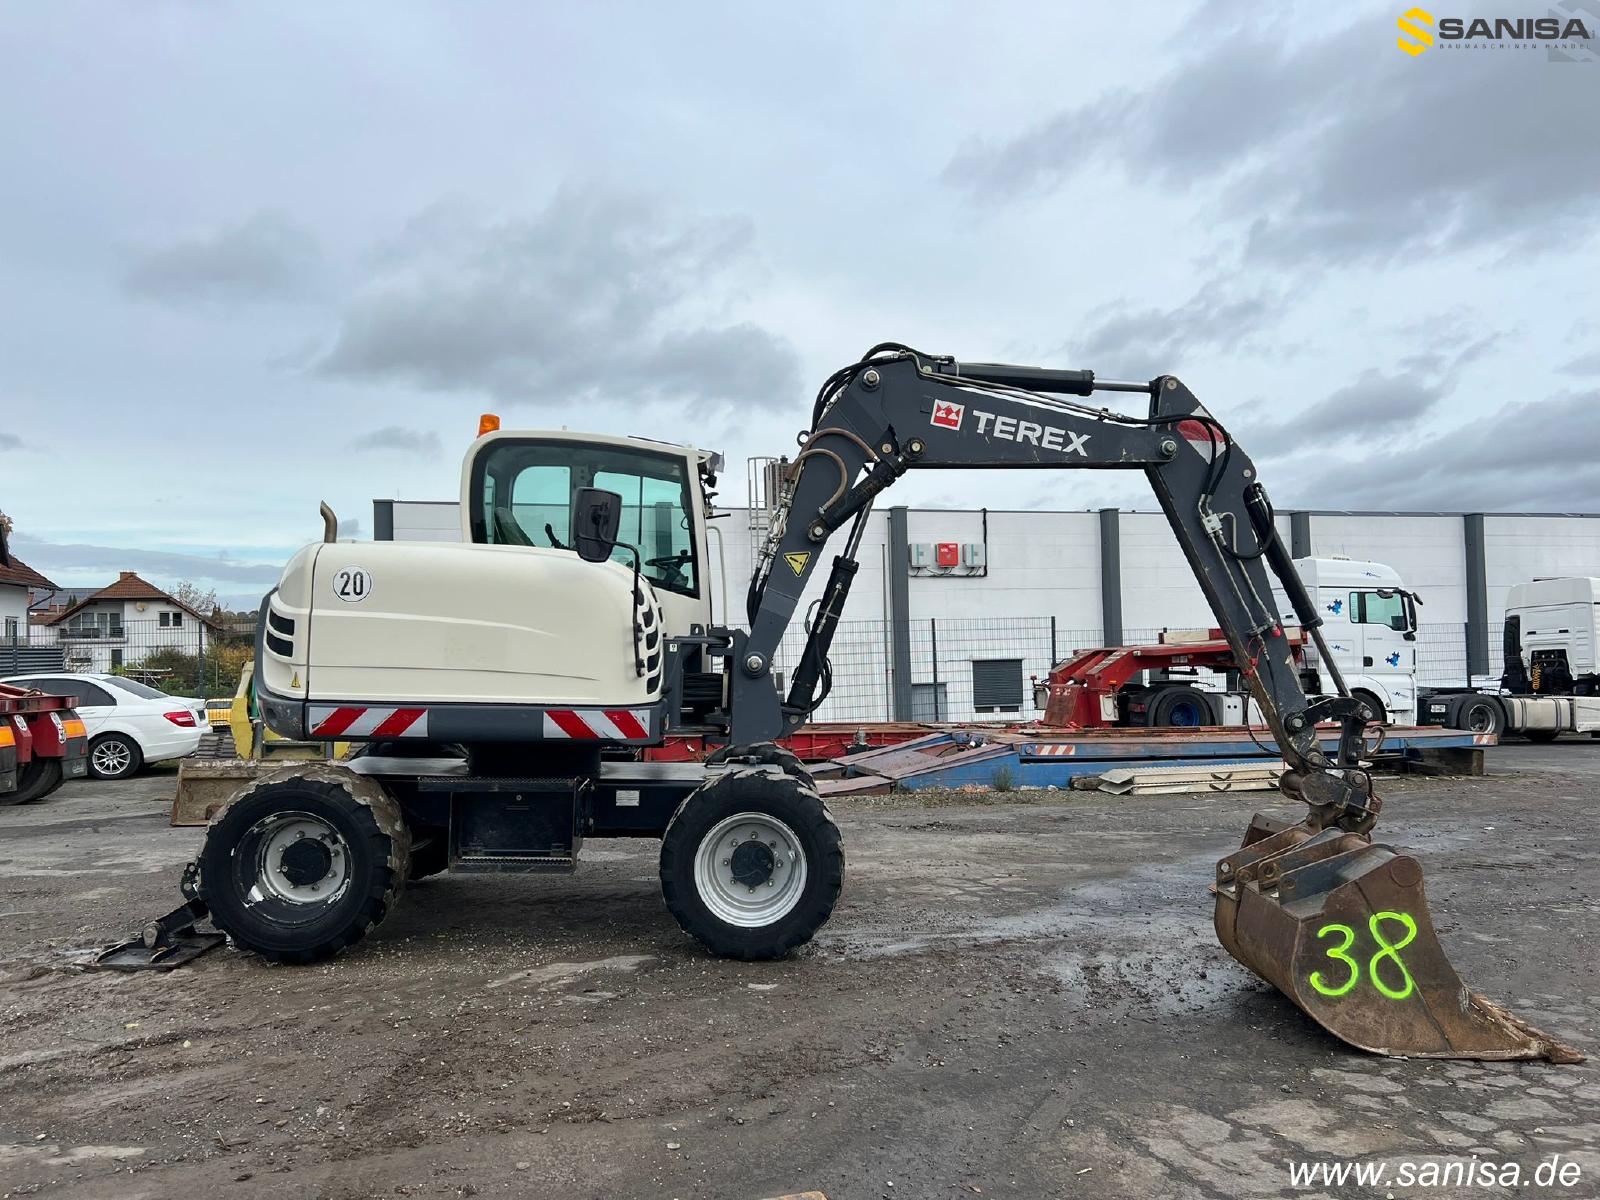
(296, 858)
(112, 757)
(750, 870)
(1479, 720)
(1185, 714)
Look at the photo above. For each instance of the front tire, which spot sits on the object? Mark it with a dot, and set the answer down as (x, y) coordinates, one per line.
(114, 756)
(305, 862)
(1374, 706)
(751, 864)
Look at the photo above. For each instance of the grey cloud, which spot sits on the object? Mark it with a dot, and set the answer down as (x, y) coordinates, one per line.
(1587, 364)
(423, 442)
(10, 441)
(1148, 341)
(1379, 403)
(598, 296)
(350, 527)
(158, 566)
(266, 257)
(1499, 462)
(1374, 405)
(1349, 152)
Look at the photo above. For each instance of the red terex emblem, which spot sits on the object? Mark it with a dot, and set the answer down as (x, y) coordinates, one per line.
(948, 415)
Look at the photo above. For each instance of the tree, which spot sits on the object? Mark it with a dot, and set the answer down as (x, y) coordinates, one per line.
(189, 594)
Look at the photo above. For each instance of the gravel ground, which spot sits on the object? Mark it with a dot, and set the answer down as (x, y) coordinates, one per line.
(1018, 995)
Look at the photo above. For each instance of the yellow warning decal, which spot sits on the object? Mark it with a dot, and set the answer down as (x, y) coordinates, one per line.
(797, 561)
(295, 682)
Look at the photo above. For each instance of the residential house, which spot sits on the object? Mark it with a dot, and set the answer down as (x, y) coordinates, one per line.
(122, 624)
(18, 582)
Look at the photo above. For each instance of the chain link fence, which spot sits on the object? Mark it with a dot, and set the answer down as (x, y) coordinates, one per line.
(189, 659)
(982, 669)
(962, 669)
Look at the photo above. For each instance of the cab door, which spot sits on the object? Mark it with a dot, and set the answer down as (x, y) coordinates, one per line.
(1384, 622)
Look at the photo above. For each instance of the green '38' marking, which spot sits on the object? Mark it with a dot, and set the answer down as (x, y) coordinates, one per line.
(1387, 950)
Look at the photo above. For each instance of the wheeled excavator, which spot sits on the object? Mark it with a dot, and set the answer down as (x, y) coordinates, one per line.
(501, 689)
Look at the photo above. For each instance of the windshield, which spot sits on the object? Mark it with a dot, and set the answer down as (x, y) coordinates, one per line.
(524, 491)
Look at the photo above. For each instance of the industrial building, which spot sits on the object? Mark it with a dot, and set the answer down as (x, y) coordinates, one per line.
(955, 609)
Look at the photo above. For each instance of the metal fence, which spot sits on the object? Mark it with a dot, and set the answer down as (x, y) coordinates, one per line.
(962, 669)
(952, 657)
(192, 659)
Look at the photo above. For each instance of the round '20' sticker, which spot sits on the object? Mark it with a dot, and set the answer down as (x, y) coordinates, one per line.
(352, 584)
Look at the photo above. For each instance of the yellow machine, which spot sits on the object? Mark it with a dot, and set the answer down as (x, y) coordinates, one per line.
(205, 785)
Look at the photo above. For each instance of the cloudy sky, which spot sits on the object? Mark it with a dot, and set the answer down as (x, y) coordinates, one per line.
(255, 256)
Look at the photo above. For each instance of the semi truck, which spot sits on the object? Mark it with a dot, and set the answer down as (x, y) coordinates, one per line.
(1370, 627)
(1550, 684)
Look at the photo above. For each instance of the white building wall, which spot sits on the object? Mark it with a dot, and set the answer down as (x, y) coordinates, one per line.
(1044, 565)
(1521, 549)
(1429, 553)
(427, 521)
(14, 607)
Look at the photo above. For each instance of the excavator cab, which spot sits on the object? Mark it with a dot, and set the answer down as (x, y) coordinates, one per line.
(518, 489)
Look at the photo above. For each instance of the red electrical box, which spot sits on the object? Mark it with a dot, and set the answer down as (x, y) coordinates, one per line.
(947, 554)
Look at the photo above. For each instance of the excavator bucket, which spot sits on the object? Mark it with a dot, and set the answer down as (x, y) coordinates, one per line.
(1340, 925)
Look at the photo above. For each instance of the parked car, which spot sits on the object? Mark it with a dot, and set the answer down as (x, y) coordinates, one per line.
(129, 723)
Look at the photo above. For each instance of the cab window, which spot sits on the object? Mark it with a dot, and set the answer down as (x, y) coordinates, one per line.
(1375, 608)
(525, 490)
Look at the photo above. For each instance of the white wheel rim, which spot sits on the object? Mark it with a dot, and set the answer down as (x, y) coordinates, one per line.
(750, 870)
(279, 877)
(112, 758)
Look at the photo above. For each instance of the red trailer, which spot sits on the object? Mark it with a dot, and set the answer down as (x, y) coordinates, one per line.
(1093, 690)
(43, 743)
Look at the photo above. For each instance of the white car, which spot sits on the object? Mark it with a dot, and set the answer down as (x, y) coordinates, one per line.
(129, 723)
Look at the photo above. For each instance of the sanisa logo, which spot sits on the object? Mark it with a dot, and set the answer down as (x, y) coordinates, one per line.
(1417, 37)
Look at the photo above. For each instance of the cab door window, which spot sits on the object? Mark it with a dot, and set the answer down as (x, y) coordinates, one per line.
(1374, 608)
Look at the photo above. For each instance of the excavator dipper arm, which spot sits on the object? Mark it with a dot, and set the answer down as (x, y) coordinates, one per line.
(905, 411)
(1336, 922)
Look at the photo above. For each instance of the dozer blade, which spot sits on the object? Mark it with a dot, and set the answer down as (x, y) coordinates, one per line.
(206, 785)
(1341, 926)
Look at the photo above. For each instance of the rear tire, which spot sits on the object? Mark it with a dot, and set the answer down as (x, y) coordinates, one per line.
(1480, 716)
(35, 781)
(751, 864)
(1180, 707)
(1541, 735)
(114, 756)
(304, 863)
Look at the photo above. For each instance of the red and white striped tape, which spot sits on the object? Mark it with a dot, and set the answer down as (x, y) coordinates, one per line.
(359, 721)
(598, 724)
(1052, 750)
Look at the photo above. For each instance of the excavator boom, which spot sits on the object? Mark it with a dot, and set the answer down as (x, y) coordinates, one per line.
(1339, 924)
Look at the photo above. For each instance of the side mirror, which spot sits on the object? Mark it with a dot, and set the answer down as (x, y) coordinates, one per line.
(596, 521)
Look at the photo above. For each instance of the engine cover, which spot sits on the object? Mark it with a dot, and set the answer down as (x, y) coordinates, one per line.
(418, 622)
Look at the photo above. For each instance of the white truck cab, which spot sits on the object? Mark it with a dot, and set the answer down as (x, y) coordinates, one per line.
(1550, 634)
(1370, 625)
